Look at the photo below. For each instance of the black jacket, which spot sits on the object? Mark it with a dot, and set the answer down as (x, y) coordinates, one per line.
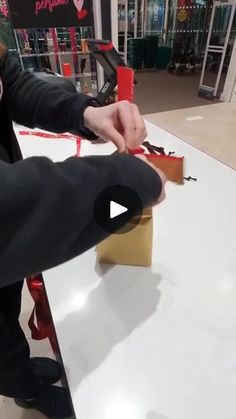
(46, 209)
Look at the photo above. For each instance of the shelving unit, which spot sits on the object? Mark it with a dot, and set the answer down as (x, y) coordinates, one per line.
(52, 49)
(130, 23)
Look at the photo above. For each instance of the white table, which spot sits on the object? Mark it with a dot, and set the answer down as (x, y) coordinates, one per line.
(157, 343)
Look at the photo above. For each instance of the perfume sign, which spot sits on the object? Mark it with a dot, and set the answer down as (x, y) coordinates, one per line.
(49, 4)
(50, 13)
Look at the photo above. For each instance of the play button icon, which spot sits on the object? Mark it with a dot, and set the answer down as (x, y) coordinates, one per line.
(117, 209)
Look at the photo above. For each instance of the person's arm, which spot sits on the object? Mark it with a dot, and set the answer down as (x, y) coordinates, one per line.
(36, 103)
(46, 209)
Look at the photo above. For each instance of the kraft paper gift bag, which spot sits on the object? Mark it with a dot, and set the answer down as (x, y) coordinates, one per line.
(131, 248)
(135, 246)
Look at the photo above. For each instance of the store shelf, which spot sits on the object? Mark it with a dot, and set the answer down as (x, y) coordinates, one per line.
(51, 54)
(73, 76)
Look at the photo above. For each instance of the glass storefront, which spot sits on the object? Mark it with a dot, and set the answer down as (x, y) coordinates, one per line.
(154, 18)
(187, 21)
(179, 24)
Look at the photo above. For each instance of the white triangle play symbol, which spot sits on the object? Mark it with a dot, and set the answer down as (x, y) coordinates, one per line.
(116, 209)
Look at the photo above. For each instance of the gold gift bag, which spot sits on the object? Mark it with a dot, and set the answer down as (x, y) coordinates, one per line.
(135, 246)
(131, 248)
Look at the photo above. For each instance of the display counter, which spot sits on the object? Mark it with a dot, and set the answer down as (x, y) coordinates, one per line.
(159, 342)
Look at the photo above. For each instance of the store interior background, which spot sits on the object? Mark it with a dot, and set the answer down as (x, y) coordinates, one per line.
(162, 23)
(177, 24)
(150, 33)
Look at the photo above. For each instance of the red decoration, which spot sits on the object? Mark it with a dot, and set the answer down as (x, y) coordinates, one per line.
(82, 14)
(40, 321)
(125, 77)
(67, 70)
(3, 8)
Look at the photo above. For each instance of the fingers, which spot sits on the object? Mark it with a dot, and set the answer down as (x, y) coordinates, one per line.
(109, 131)
(132, 124)
(140, 128)
(120, 122)
(126, 121)
(162, 176)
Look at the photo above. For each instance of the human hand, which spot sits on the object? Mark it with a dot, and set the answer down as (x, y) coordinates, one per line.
(163, 177)
(120, 123)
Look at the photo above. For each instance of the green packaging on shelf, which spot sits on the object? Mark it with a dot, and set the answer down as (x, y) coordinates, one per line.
(163, 57)
(136, 52)
(151, 46)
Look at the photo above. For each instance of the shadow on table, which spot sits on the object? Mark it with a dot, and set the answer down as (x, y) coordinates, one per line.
(123, 300)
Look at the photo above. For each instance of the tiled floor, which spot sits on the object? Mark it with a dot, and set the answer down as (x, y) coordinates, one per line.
(159, 91)
(8, 410)
(209, 128)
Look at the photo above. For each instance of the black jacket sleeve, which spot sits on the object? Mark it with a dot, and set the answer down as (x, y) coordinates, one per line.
(47, 209)
(35, 103)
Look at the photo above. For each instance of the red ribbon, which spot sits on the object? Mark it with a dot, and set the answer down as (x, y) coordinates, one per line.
(40, 321)
(51, 136)
(141, 150)
(138, 150)
(55, 136)
(78, 147)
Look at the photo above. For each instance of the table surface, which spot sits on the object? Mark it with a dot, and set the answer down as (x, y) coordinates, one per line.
(159, 342)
